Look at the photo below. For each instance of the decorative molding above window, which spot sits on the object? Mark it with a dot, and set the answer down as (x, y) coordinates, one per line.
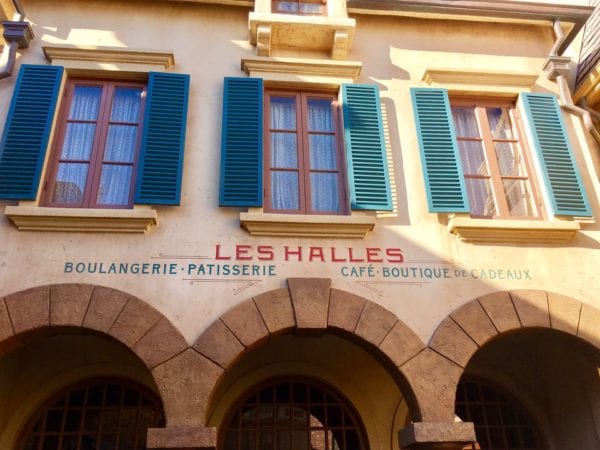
(258, 223)
(333, 35)
(34, 218)
(123, 60)
(317, 72)
(480, 82)
(513, 231)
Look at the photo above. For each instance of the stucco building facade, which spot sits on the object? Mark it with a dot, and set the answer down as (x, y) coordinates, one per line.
(294, 225)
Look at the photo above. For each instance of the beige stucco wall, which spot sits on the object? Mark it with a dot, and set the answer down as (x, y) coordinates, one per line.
(208, 42)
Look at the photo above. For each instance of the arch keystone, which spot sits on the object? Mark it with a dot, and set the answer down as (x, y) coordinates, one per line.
(310, 300)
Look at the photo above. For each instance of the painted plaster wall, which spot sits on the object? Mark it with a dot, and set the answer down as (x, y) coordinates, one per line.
(208, 42)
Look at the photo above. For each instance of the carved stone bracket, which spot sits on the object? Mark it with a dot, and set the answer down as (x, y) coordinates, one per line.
(19, 32)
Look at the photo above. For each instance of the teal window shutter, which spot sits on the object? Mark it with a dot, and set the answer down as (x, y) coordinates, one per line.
(28, 125)
(562, 179)
(242, 143)
(163, 140)
(442, 169)
(366, 152)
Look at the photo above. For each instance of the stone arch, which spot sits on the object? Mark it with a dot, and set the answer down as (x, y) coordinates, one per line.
(467, 329)
(308, 305)
(101, 310)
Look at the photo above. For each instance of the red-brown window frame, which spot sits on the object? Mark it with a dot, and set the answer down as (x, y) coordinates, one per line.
(479, 104)
(92, 185)
(275, 4)
(305, 200)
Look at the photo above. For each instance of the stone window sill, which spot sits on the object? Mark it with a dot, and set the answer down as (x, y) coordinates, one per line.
(513, 231)
(330, 34)
(33, 218)
(265, 224)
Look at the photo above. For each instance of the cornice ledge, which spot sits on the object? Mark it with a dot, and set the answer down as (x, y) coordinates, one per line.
(513, 231)
(471, 77)
(297, 225)
(161, 58)
(32, 218)
(302, 67)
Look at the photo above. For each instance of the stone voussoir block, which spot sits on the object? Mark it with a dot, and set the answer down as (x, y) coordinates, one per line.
(531, 307)
(452, 342)
(134, 321)
(589, 325)
(219, 344)
(160, 343)
(344, 310)
(246, 323)
(473, 319)
(276, 309)
(105, 306)
(185, 383)
(500, 309)
(310, 300)
(375, 323)
(401, 344)
(30, 309)
(6, 329)
(68, 304)
(564, 313)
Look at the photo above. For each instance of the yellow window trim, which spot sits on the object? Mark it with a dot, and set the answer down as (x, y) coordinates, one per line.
(513, 231)
(258, 223)
(35, 218)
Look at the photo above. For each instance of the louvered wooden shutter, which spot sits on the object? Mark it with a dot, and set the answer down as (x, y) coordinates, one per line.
(366, 152)
(28, 125)
(242, 143)
(163, 140)
(442, 169)
(561, 176)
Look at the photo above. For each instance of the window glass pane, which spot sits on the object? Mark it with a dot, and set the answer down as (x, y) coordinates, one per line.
(79, 141)
(300, 440)
(120, 143)
(126, 104)
(283, 113)
(70, 183)
(322, 152)
(284, 152)
(481, 197)
(85, 103)
(319, 115)
(509, 159)
(324, 192)
(265, 440)
(288, 7)
(499, 123)
(472, 157)
(115, 184)
(518, 197)
(311, 8)
(465, 122)
(284, 190)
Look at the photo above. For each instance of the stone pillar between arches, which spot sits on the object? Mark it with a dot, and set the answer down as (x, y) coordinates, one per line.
(182, 438)
(436, 435)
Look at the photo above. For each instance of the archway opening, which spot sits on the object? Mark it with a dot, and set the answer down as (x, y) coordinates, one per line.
(535, 389)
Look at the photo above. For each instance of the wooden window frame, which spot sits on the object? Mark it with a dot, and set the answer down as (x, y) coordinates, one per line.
(303, 156)
(351, 418)
(486, 138)
(299, 12)
(96, 160)
(54, 403)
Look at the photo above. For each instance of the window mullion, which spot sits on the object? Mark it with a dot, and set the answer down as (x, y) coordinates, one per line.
(99, 145)
(490, 152)
(304, 155)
